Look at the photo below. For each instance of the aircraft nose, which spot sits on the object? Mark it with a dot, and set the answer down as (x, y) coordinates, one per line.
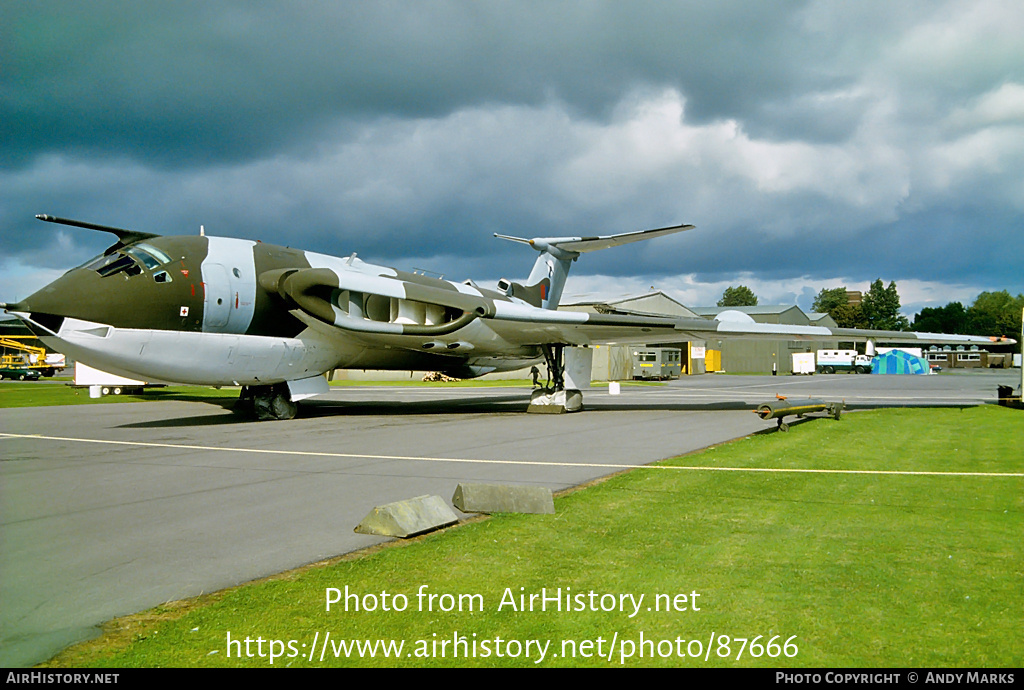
(67, 296)
(39, 311)
(42, 301)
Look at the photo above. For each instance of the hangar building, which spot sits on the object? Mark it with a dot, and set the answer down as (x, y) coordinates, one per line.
(760, 356)
(615, 362)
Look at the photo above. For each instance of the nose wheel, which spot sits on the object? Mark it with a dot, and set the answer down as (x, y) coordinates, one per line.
(267, 402)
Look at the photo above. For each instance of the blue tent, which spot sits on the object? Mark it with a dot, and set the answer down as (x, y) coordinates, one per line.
(899, 362)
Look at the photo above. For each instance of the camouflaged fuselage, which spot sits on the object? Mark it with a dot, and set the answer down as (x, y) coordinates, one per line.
(164, 293)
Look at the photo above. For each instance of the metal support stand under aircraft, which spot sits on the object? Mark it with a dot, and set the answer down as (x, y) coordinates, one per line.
(555, 398)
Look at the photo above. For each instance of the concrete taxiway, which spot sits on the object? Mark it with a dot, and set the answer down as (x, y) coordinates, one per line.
(111, 509)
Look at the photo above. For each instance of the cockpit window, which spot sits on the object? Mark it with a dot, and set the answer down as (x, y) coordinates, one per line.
(155, 253)
(147, 260)
(112, 263)
(131, 261)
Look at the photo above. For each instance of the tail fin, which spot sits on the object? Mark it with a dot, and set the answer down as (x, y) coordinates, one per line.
(544, 286)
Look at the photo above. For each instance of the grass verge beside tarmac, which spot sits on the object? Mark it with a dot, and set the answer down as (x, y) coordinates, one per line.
(42, 394)
(854, 566)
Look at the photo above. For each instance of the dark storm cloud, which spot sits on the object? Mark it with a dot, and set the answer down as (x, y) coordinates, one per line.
(196, 82)
(807, 140)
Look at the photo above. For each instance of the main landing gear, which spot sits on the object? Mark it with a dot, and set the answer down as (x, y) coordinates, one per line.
(555, 398)
(267, 402)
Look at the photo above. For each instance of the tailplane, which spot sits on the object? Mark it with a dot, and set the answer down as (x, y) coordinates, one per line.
(544, 286)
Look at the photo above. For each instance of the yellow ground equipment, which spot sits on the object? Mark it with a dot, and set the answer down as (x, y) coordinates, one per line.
(18, 356)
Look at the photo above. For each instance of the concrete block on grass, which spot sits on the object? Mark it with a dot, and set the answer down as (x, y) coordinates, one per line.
(408, 518)
(502, 498)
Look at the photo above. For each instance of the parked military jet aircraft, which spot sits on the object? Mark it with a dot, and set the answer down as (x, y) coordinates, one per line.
(220, 311)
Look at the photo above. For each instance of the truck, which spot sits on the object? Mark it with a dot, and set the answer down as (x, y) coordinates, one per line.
(831, 361)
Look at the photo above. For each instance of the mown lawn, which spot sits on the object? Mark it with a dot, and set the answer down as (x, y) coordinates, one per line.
(796, 569)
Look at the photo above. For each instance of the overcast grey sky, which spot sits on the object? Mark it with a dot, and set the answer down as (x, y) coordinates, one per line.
(813, 144)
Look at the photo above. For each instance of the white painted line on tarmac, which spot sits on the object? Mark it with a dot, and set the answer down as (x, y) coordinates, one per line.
(325, 454)
(866, 397)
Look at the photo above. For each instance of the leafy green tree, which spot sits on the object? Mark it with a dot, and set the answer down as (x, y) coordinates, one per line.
(951, 318)
(740, 296)
(995, 313)
(849, 316)
(829, 299)
(881, 307)
(992, 313)
(836, 303)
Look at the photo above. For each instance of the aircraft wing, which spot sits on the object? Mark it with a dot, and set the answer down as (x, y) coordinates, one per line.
(584, 328)
(315, 292)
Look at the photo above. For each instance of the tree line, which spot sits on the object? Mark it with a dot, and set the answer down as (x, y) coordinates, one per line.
(991, 313)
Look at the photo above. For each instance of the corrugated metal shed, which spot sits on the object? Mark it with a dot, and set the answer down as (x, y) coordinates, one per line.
(646, 304)
(760, 356)
(769, 313)
(615, 362)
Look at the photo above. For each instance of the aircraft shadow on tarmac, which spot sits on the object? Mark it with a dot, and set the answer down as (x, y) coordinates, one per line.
(473, 404)
(510, 404)
(313, 409)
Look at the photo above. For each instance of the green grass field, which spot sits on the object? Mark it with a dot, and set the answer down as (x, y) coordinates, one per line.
(797, 569)
(43, 394)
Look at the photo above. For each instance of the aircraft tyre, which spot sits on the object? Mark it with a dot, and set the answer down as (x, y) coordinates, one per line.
(267, 402)
(281, 407)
